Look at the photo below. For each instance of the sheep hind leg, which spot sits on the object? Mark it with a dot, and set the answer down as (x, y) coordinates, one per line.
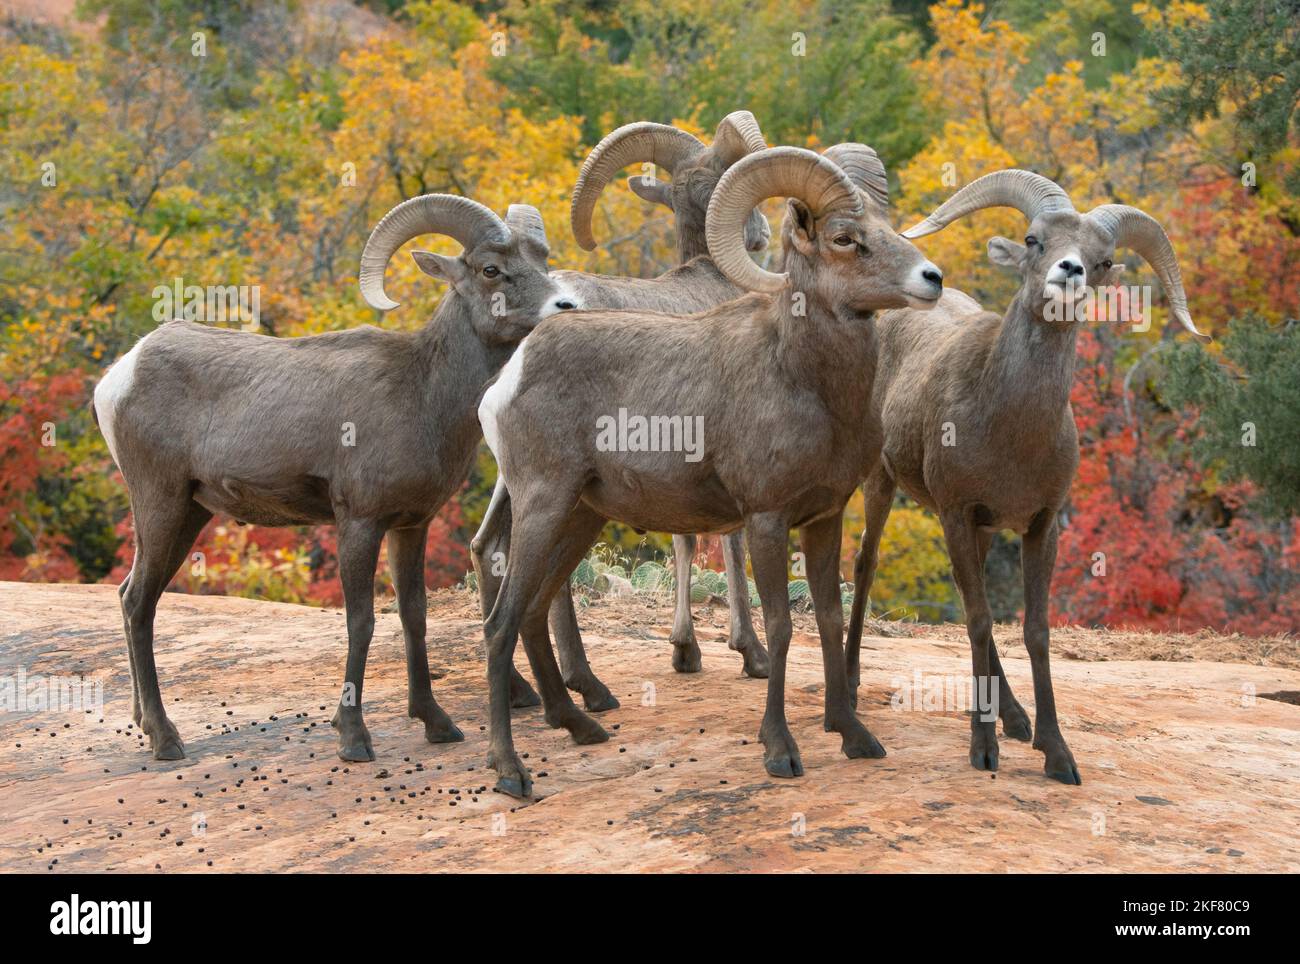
(534, 573)
(359, 541)
(166, 528)
(406, 560)
(576, 537)
(686, 651)
(742, 637)
(577, 672)
(878, 499)
(489, 550)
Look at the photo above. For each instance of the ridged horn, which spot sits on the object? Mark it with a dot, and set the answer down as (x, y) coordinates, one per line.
(526, 220)
(661, 144)
(1031, 193)
(1134, 228)
(775, 172)
(466, 221)
(738, 134)
(864, 167)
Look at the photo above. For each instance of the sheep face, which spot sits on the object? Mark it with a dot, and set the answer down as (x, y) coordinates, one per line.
(1064, 252)
(688, 196)
(856, 263)
(504, 284)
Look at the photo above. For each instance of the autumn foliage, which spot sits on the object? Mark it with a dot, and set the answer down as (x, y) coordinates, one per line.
(130, 158)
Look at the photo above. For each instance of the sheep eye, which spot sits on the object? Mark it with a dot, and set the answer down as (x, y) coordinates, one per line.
(1030, 241)
(491, 271)
(844, 240)
(1105, 265)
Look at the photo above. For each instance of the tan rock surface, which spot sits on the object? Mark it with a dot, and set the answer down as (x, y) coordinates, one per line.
(1183, 769)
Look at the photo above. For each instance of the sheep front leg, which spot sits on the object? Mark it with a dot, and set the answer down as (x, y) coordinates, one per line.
(962, 537)
(686, 651)
(768, 536)
(488, 551)
(742, 637)
(406, 560)
(1038, 559)
(359, 541)
(821, 546)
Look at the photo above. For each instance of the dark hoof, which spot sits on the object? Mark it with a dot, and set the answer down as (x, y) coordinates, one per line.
(859, 744)
(596, 696)
(447, 732)
(512, 777)
(1070, 776)
(781, 754)
(168, 749)
(686, 657)
(601, 704)
(356, 753)
(757, 664)
(1015, 724)
(521, 694)
(164, 740)
(511, 786)
(787, 767)
(984, 748)
(584, 730)
(438, 727)
(1060, 766)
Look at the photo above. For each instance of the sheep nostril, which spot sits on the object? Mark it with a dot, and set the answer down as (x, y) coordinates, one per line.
(565, 305)
(1071, 268)
(933, 275)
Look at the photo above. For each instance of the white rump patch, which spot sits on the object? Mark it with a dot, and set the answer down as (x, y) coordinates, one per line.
(495, 400)
(112, 388)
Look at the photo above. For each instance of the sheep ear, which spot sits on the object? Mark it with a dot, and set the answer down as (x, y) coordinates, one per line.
(1009, 254)
(652, 190)
(451, 270)
(800, 226)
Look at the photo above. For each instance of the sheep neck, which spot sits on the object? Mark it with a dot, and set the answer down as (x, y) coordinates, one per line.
(690, 245)
(1030, 369)
(831, 350)
(451, 366)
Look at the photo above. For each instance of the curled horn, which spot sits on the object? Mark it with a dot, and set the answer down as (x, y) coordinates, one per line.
(775, 172)
(864, 167)
(660, 144)
(1133, 228)
(738, 134)
(1032, 193)
(468, 222)
(526, 220)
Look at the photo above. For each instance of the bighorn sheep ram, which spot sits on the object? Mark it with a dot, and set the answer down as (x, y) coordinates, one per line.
(696, 284)
(782, 381)
(978, 427)
(372, 430)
